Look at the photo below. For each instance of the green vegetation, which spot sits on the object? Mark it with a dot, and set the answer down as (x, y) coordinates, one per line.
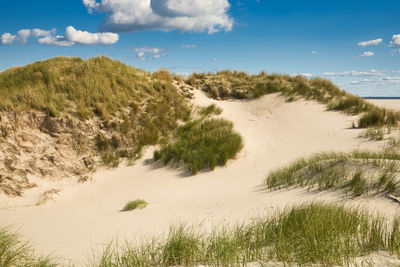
(306, 234)
(201, 143)
(357, 173)
(374, 134)
(130, 108)
(228, 84)
(136, 204)
(16, 252)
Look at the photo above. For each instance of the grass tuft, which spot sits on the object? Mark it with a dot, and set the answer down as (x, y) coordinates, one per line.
(135, 204)
(202, 143)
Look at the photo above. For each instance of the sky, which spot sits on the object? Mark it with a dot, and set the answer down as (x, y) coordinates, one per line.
(355, 43)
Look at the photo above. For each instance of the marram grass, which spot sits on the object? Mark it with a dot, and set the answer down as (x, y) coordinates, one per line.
(15, 252)
(307, 234)
(135, 204)
(357, 173)
(201, 143)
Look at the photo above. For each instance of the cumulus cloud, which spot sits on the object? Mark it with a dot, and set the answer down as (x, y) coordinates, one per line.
(165, 15)
(314, 52)
(370, 42)
(149, 53)
(72, 37)
(395, 40)
(188, 46)
(23, 35)
(87, 38)
(7, 38)
(367, 54)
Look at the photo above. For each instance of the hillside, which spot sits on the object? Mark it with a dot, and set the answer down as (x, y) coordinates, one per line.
(63, 117)
(240, 85)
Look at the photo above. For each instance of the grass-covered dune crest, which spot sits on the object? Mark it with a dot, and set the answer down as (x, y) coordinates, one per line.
(234, 84)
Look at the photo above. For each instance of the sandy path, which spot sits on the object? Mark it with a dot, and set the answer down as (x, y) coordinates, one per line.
(275, 133)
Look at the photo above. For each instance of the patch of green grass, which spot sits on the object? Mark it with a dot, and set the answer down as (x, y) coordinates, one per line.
(16, 252)
(201, 143)
(358, 172)
(307, 234)
(136, 204)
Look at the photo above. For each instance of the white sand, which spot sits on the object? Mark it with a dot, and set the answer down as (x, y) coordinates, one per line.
(386, 103)
(275, 133)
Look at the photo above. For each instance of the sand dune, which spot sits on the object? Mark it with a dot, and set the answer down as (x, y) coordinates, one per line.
(275, 133)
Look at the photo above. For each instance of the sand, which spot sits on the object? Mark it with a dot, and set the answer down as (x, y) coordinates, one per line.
(84, 217)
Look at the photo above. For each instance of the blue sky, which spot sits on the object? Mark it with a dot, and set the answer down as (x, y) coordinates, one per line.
(319, 38)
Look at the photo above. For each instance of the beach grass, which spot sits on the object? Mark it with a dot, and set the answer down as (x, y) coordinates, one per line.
(357, 173)
(307, 234)
(15, 252)
(135, 204)
(200, 144)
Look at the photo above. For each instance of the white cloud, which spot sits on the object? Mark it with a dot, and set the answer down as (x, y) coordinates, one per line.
(148, 53)
(7, 38)
(215, 59)
(87, 38)
(165, 15)
(43, 33)
(314, 52)
(395, 40)
(23, 35)
(188, 46)
(370, 42)
(55, 40)
(353, 73)
(308, 75)
(364, 81)
(367, 54)
(72, 36)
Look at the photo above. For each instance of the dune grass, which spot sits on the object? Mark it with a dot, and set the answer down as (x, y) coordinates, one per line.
(307, 234)
(201, 143)
(234, 84)
(129, 107)
(135, 204)
(14, 252)
(374, 134)
(358, 173)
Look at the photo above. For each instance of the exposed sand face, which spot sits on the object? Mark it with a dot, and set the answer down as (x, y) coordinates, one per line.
(275, 133)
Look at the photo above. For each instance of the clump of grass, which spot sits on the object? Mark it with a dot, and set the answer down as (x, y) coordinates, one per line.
(307, 234)
(374, 134)
(358, 172)
(210, 110)
(234, 84)
(135, 204)
(201, 143)
(16, 252)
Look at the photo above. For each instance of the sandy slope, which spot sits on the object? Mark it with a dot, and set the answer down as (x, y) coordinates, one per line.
(386, 103)
(275, 132)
